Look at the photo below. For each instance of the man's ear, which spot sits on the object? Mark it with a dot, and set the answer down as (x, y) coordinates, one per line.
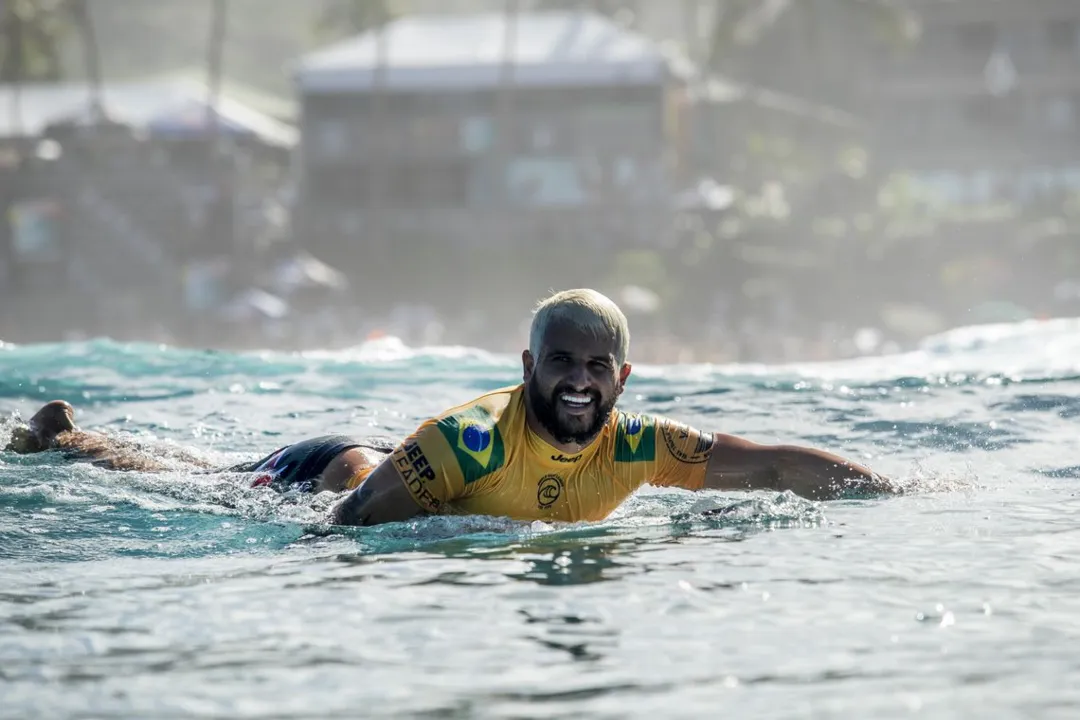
(624, 374)
(528, 364)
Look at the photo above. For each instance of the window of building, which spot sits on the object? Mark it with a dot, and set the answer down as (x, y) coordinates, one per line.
(330, 139)
(989, 112)
(429, 185)
(1061, 113)
(1070, 179)
(936, 38)
(477, 134)
(1063, 34)
(347, 186)
(545, 181)
(978, 38)
(921, 118)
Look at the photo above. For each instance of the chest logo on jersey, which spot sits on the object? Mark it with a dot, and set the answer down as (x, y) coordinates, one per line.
(548, 491)
(566, 458)
(635, 439)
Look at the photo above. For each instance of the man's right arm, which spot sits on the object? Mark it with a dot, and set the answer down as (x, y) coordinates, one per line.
(421, 475)
(382, 498)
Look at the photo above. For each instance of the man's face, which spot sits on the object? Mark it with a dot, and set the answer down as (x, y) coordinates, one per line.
(573, 383)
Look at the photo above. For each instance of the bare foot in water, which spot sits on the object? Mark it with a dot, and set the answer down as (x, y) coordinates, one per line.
(53, 428)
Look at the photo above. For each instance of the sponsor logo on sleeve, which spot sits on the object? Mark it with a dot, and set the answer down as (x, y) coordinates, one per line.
(686, 444)
(416, 471)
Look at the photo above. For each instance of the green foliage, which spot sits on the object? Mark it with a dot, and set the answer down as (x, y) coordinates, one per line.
(621, 11)
(604, 7)
(32, 34)
(728, 16)
(884, 19)
(887, 21)
(643, 268)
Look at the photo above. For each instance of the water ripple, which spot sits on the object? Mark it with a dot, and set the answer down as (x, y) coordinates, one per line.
(133, 595)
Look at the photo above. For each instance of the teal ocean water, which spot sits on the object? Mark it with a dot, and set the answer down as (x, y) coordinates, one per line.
(127, 595)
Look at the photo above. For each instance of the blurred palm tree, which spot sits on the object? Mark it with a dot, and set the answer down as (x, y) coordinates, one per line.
(215, 64)
(345, 18)
(604, 7)
(79, 11)
(32, 37)
(741, 23)
(32, 33)
(342, 19)
(624, 12)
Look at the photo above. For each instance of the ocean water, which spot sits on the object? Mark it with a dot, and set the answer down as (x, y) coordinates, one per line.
(126, 595)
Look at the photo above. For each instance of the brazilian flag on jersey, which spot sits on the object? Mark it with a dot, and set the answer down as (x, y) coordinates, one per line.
(476, 442)
(635, 438)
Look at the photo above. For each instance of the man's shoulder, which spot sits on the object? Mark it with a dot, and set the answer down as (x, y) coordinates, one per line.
(658, 437)
(489, 406)
(476, 432)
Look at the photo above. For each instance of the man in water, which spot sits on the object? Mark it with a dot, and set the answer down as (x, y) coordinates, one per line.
(554, 448)
(551, 448)
(323, 463)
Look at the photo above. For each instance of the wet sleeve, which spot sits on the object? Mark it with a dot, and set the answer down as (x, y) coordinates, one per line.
(427, 465)
(682, 455)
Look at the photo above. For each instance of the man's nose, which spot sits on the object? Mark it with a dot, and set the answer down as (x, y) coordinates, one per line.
(579, 378)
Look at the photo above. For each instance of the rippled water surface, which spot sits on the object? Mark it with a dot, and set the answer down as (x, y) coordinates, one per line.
(177, 595)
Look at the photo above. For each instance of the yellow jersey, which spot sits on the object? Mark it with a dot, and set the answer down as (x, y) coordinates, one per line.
(481, 458)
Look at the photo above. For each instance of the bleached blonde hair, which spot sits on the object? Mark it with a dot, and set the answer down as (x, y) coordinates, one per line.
(586, 310)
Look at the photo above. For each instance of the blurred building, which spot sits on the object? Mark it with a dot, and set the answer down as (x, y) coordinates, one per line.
(985, 107)
(108, 207)
(437, 137)
(815, 164)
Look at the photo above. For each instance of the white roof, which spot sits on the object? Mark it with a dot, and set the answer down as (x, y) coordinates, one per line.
(192, 111)
(42, 104)
(433, 52)
(137, 103)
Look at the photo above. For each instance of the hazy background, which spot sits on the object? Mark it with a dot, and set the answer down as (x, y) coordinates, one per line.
(750, 179)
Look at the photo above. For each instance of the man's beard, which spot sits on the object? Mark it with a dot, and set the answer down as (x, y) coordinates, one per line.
(546, 410)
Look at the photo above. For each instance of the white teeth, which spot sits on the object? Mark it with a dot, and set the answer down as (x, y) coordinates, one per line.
(579, 400)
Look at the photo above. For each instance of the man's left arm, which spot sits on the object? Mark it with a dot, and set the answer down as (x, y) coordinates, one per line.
(739, 464)
(691, 459)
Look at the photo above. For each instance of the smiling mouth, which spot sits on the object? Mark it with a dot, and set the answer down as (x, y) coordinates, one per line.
(576, 403)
